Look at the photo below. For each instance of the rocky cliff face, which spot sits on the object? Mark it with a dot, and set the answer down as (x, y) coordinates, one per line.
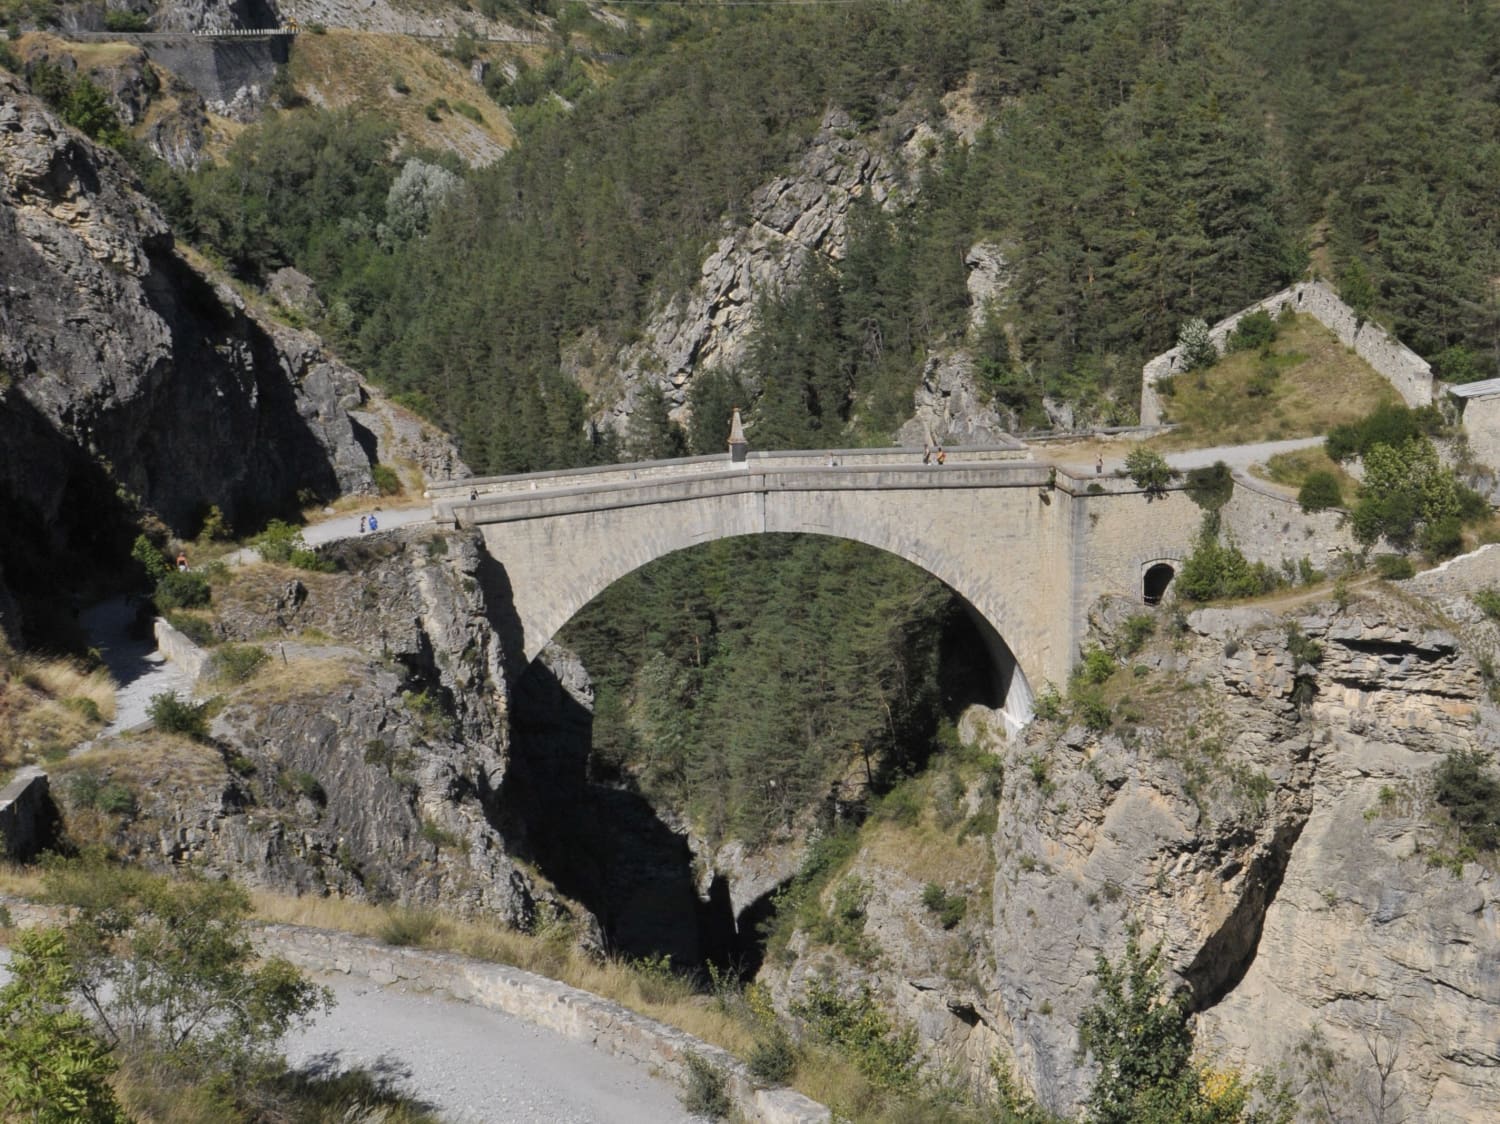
(1262, 807)
(127, 377)
(367, 768)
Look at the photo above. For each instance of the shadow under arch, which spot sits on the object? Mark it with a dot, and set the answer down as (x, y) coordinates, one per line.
(600, 841)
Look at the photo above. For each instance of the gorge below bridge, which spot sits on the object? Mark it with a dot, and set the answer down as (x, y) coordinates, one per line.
(1028, 546)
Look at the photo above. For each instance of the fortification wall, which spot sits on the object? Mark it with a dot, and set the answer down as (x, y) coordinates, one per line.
(1268, 527)
(564, 1010)
(1403, 368)
(1481, 421)
(27, 817)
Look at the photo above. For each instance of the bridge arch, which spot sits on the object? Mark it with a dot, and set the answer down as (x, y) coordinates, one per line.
(560, 551)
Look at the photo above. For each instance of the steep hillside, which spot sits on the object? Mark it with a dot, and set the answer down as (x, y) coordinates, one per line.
(132, 383)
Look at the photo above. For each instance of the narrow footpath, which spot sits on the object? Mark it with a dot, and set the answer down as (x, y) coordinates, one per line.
(140, 671)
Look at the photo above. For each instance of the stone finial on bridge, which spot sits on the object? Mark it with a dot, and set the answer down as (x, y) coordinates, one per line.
(739, 448)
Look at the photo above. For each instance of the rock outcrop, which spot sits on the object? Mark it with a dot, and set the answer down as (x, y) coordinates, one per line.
(127, 377)
(1261, 807)
(368, 768)
(793, 216)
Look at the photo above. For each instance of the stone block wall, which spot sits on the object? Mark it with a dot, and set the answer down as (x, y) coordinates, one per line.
(1268, 526)
(1481, 420)
(179, 649)
(565, 1010)
(1403, 368)
(27, 817)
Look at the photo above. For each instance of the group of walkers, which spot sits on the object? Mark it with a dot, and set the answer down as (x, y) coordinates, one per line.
(931, 456)
(368, 522)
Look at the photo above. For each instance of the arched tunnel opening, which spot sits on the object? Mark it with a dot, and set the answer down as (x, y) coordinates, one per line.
(1155, 580)
(717, 707)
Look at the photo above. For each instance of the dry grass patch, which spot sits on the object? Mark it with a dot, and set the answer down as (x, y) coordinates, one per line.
(1292, 469)
(295, 677)
(351, 68)
(1319, 383)
(48, 706)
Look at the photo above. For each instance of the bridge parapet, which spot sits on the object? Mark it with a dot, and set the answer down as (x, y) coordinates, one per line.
(448, 494)
(624, 491)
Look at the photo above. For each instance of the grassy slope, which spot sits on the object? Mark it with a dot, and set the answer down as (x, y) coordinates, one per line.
(1320, 384)
(344, 68)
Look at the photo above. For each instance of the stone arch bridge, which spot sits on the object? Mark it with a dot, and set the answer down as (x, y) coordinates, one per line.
(1027, 546)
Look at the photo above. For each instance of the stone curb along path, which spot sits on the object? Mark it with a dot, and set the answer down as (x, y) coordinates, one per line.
(568, 1011)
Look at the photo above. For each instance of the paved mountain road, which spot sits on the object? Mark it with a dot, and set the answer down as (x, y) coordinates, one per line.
(475, 1066)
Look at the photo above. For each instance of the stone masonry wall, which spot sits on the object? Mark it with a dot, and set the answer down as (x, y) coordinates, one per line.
(1403, 368)
(26, 815)
(1268, 527)
(565, 1010)
(179, 649)
(1482, 425)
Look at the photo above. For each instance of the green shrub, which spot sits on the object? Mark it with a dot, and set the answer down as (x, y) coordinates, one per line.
(1442, 538)
(1394, 566)
(151, 558)
(860, 1027)
(196, 629)
(1211, 487)
(126, 21)
(1255, 330)
(173, 715)
(1198, 349)
(1488, 601)
(433, 833)
(950, 909)
(235, 663)
(277, 541)
(1090, 708)
(1465, 785)
(215, 527)
(85, 707)
(705, 1088)
(1096, 667)
(1149, 471)
(298, 782)
(1320, 491)
(182, 590)
(87, 790)
(1047, 705)
(386, 479)
(1138, 629)
(774, 1058)
(469, 111)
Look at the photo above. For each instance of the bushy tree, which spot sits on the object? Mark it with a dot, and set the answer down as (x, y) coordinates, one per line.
(1198, 349)
(1149, 470)
(1467, 785)
(1217, 569)
(1405, 486)
(1138, 1036)
(167, 964)
(415, 195)
(53, 1067)
(1320, 491)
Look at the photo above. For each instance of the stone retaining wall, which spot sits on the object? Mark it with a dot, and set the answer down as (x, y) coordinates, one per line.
(27, 817)
(1269, 526)
(565, 1010)
(1479, 569)
(1403, 368)
(179, 649)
